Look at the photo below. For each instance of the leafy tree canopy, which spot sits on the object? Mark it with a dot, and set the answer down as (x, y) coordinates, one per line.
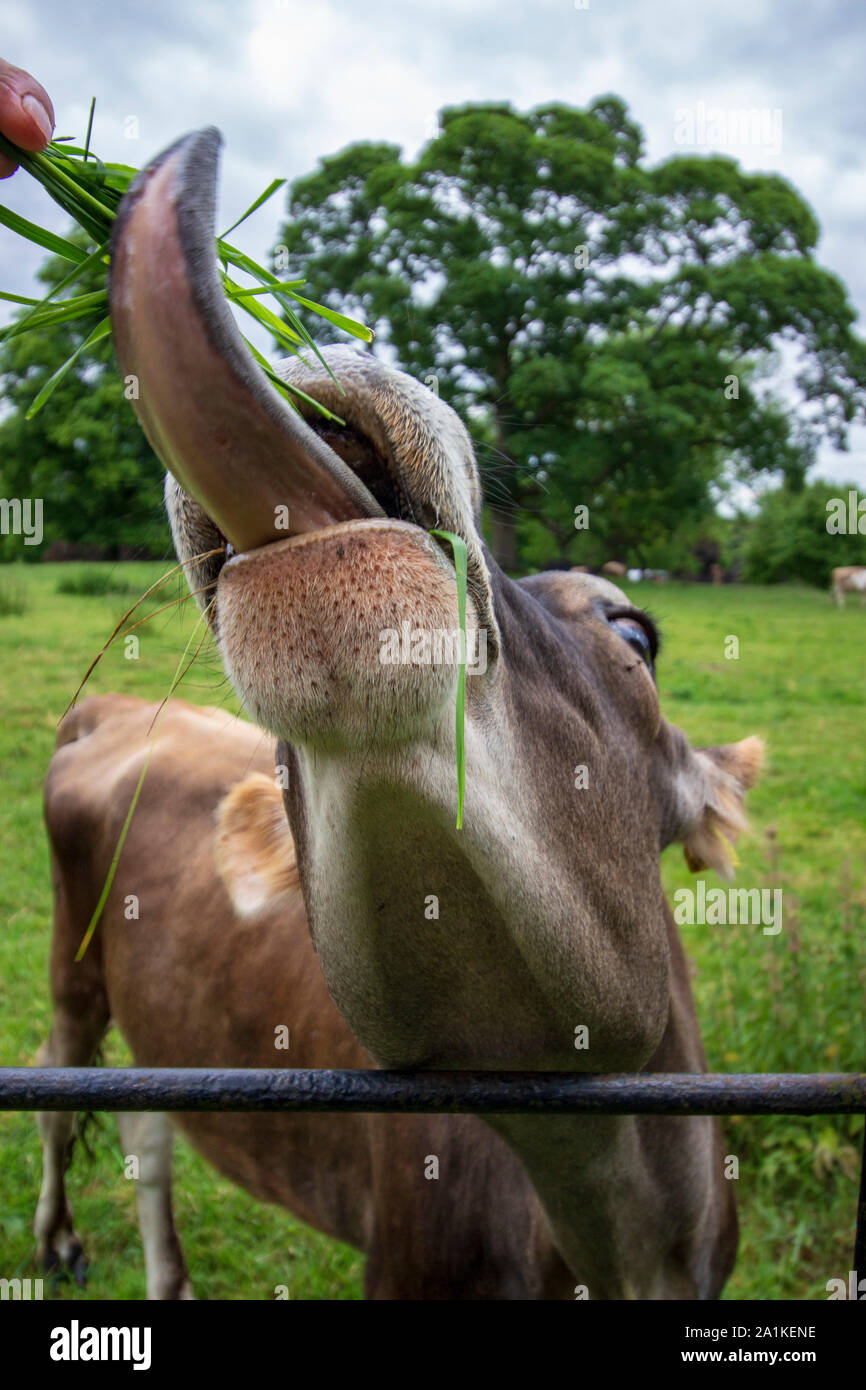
(607, 327)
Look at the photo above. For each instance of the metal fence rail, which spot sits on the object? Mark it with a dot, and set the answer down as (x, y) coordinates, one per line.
(431, 1092)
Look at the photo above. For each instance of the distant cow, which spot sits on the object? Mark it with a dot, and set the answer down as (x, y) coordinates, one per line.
(614, 567)
(849, 579)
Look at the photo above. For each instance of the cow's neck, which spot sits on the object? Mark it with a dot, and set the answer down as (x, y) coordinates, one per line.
(627, 1197)
(482, 947)
(437, 946)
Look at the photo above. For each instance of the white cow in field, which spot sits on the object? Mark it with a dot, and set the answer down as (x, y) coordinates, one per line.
(849, 579)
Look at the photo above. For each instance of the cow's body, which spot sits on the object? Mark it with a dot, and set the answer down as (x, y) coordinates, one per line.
(191, 983)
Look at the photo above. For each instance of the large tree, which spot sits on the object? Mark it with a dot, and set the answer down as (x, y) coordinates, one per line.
(84, 453)
(606, 326)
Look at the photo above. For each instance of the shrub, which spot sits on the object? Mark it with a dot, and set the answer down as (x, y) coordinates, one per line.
(94, 583)
(789, 539)
(13, 600)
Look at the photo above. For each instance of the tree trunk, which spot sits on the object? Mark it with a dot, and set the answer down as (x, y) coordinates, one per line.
(503, 534)
(503, 511)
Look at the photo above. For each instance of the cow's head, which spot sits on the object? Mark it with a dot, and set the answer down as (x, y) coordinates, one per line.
(483, 946)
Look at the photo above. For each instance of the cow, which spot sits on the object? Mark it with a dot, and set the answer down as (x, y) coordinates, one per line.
(534, 936)
(216, 967)
(849, 579)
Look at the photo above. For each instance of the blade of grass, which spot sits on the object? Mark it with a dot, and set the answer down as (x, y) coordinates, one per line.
(458, 545)
(101, 331)
(66, 310)
(262, 198)
(266, 289)
(180, 673)
(154, 588)
(264, 277)
(68, 147)
(266, 316)
(58, 244)
(289, 391)
(120, 176)
(243, 262)
(89, 129)
(79, 269)
(18, 298)
(112, 870)
(165, 607)
(358, 330)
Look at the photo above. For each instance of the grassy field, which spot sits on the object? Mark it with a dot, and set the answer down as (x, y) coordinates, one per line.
(790, 1002)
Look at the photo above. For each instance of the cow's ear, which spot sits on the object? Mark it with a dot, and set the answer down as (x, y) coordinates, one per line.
(255, 852)
(728, 774)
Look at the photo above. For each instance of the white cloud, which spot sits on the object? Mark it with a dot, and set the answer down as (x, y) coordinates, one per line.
(289, 82)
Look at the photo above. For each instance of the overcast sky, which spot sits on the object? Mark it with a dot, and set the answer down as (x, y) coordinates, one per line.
(290, 80)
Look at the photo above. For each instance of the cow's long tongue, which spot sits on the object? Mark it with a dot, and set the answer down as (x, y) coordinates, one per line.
(207, 409)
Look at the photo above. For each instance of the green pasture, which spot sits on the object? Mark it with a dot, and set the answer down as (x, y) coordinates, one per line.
(789, 1002)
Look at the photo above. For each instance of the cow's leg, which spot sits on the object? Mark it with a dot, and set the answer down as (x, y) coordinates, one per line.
(148, 1137)
(81, 1017)
(74, 1038)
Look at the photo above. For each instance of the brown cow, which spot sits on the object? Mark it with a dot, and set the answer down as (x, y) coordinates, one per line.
(492, 946)
(212, 965)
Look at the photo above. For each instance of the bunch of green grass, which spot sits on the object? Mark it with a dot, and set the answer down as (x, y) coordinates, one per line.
(90, 190)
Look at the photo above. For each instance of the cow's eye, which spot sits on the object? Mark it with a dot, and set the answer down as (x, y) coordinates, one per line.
(640, 636)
